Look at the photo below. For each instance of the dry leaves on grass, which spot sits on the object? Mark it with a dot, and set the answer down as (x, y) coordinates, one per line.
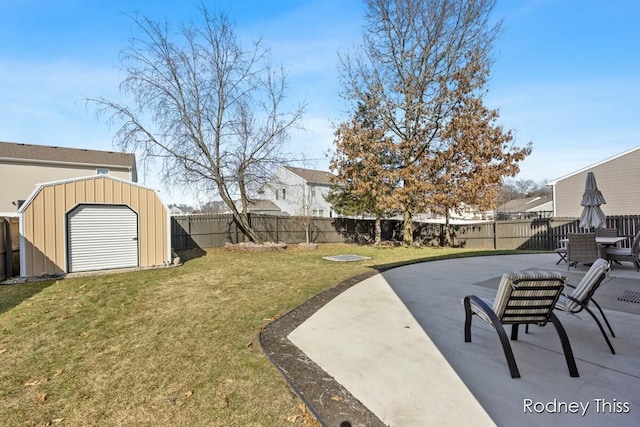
(305, 417)
(3, 350)
(35, 381)
(42, 397)
(55, 421)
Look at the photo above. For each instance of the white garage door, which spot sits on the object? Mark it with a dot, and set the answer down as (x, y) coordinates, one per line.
(102, 237)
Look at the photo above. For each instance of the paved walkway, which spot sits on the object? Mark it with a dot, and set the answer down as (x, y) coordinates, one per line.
(395, 342)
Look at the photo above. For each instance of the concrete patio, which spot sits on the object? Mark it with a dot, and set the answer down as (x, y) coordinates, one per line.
(395, 342)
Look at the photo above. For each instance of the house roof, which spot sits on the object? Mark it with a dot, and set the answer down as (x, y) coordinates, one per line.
(624, 153)
(313, 176)
(524, 205)
(262, 205)
(28, 152)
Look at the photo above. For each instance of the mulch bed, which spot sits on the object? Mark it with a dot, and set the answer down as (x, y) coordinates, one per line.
(256, 247)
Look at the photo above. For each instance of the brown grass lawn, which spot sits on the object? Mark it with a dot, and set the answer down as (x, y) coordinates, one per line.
(176, 346)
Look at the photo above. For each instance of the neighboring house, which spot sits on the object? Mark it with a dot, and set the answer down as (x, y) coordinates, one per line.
(180, 209)
(300, 192)
(23, 166)
(618, 179)
(174, 210)
(529, 207)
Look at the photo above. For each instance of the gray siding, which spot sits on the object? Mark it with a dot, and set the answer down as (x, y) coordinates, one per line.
(617, 179)
(18, 179)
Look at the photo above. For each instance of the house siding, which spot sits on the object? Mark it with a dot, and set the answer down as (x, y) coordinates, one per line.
(298, 200)
(43, 235)
(18, 179)
(617, 179)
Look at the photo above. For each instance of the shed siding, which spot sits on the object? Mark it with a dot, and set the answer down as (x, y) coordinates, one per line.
(17, 179)
(618, 180)
(45, 226)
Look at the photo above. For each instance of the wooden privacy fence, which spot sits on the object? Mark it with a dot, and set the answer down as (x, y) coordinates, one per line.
(9, 247)
(206, 231)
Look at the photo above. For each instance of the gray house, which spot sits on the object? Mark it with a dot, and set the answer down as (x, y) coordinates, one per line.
(618, 179)
(23, 166)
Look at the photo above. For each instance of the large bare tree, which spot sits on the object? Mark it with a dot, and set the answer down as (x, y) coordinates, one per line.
(213, 112)
(414, 56)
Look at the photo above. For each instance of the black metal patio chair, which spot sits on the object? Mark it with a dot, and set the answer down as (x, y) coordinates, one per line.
(525, 297)
(582, 294)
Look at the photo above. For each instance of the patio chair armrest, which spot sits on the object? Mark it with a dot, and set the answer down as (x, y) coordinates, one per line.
(481, 305)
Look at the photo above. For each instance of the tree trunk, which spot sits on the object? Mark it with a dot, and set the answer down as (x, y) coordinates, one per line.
(378, 232)
(447, 230)
(243, 222)
(407, 229)
(241, 218)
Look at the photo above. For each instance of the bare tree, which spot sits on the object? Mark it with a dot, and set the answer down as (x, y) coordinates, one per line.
(210, 110)
(414, 56)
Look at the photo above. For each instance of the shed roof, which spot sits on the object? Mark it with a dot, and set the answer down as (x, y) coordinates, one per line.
(28, 152)
(38, 187)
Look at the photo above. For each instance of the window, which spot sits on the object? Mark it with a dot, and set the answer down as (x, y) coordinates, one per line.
(102, 171)
(277, 194)
(284, 194)
(313, 191)
(320, 212)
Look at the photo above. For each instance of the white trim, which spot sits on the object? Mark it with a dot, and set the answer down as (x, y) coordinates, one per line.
(23, 250)
(169, 254)
(555, 181)
(10, 214)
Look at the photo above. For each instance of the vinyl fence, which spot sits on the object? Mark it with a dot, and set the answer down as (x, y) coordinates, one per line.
(9, 247)
(207, 231)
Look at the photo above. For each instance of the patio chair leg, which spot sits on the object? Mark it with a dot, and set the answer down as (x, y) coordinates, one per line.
(467, 319)
(508, 352)
(604, 334)
(495, 322)
(514, 332)
(566, 346)
(603, 316)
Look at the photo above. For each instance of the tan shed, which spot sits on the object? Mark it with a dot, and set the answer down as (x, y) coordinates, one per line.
(91, 223)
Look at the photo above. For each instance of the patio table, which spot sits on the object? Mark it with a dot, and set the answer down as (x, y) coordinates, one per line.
(605, 241)
(602, 240)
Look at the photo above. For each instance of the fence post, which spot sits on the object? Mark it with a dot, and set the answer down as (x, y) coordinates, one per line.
(189, 238)
(495, 235)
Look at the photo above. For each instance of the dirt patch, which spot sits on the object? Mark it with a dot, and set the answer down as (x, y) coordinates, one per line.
(331, 403)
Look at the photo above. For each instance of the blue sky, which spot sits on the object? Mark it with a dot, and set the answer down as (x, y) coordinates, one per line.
(566, 75)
